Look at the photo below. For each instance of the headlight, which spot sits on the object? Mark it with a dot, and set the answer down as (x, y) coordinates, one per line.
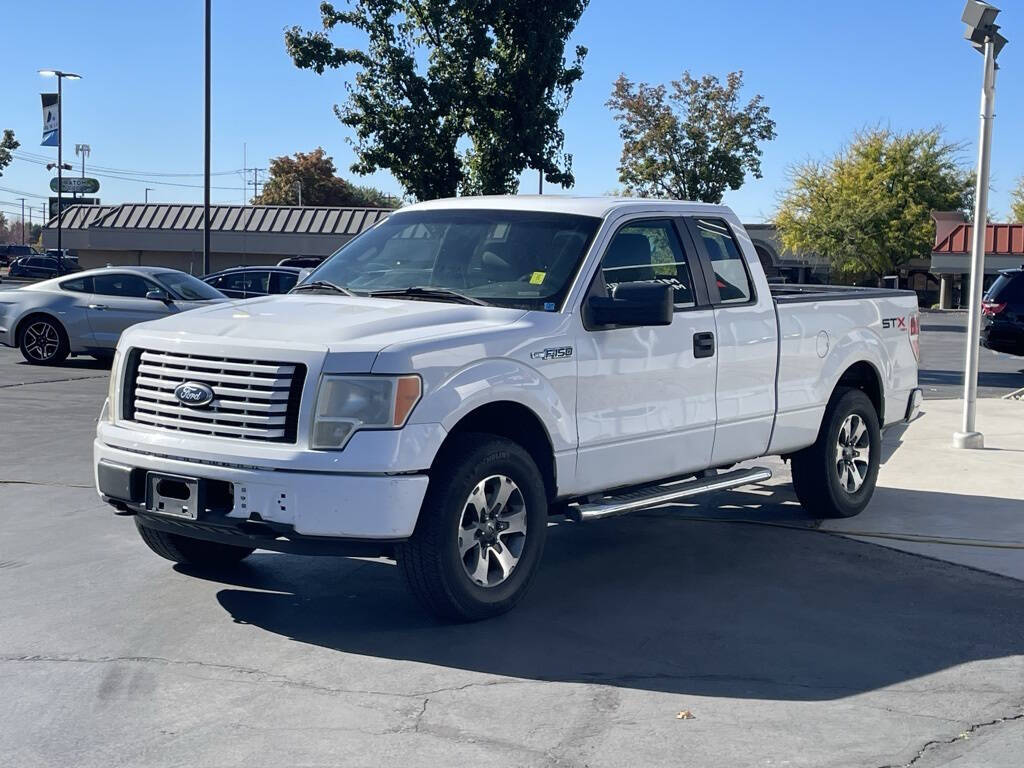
(112, 388)
(345, 404)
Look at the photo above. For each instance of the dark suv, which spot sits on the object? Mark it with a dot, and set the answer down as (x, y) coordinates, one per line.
(1002, 327)
(44, 266)
(9, 253)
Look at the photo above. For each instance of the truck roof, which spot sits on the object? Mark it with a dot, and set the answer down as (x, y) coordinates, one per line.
(580, 205)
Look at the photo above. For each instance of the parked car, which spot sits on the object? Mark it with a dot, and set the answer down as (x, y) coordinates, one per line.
(44, 265)
(247, 282)
(86, 313)
(453, 376)
(9, 253)
(307, 262)
(1002, 328)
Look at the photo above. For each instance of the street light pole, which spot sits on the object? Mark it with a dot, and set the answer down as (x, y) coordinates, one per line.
(148, 190)
(23, 219)
(60, 151)
(206, 154)
(983, 33)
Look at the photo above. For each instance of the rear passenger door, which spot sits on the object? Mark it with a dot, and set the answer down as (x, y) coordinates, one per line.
(646, 395)
(747, 340)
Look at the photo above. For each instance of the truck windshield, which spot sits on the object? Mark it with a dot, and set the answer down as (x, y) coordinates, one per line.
(517, 259)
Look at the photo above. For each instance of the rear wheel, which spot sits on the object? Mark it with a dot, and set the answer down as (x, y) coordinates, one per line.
(181, 549)
(836, 476)
(481, 530)
(44, 341)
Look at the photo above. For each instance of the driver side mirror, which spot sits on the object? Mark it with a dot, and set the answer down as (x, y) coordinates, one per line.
(634, 304)
(159, 295)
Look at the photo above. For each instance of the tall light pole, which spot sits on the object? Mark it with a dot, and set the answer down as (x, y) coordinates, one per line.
(983, 34)
(298, 189)
(60, 147)
(206, 153)
(23, 219)
(148, 190)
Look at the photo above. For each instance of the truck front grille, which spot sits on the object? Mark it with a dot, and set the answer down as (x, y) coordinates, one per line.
(252, 399)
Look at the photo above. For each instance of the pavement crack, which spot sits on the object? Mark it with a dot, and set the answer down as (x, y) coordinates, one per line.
(962, 736)
(52, 381)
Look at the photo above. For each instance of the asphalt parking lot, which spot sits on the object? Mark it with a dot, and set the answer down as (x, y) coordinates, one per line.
(786, 645)
(942, 360)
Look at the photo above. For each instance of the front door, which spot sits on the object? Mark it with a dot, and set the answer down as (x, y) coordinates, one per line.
(118, 301)
(646, 396)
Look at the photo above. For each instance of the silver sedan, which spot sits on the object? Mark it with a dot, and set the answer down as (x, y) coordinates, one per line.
(85, 312)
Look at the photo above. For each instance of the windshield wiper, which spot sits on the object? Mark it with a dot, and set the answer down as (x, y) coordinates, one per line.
(322, 285)
(426, 292)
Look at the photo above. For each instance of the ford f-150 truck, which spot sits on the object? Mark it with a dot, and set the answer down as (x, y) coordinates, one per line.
(465, 369)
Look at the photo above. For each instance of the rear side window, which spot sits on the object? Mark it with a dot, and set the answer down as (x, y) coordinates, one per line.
(78, 285)
(649, 250)
(726, 260)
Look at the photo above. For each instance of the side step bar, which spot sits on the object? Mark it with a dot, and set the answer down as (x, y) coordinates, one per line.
(653, 496)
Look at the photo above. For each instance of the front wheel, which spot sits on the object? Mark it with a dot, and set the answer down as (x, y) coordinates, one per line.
(836, 476)
(481, 530)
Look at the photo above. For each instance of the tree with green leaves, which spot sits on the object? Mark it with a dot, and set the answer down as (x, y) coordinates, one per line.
(690, 140)
(7, 145)
(488, 73)
(315, 173)
(1017, 201)
(867, 209)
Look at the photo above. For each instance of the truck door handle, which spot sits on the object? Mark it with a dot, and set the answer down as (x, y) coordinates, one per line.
(98, 306)
(704, 344)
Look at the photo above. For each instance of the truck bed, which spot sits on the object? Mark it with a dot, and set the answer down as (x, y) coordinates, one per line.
(785, 293)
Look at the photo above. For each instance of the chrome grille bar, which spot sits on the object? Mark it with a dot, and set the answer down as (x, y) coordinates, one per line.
(253, 399)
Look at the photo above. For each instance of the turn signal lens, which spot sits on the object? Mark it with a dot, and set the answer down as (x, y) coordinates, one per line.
(915, 336)
(407, 394)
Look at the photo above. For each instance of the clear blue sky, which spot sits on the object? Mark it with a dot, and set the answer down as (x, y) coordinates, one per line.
(826, 69)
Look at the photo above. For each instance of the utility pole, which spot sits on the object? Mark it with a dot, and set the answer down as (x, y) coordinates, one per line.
(298, 186)
(206, 154)
(540, 182)
(255, 181)
(23, 219)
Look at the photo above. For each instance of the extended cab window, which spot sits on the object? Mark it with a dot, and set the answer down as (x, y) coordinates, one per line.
(649, 251)
(726, 260)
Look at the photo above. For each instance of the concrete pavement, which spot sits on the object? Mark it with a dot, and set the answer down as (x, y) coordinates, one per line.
(790, 646)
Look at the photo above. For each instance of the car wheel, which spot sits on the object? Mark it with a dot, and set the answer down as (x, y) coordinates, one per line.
(481, 530)
(44, 341)
(182, 549)
(836, 476)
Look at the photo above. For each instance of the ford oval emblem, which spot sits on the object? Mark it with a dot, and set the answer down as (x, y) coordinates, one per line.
(193, 394)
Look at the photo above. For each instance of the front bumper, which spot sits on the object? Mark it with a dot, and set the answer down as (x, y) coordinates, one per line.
(296, 504)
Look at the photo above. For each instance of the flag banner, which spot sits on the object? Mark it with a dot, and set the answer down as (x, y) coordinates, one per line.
(50, 133)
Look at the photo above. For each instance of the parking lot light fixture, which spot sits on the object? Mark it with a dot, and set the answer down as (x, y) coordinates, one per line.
(983, 33)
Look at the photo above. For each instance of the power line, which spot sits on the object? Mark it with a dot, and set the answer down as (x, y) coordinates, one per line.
(141, 180)
(21, 154)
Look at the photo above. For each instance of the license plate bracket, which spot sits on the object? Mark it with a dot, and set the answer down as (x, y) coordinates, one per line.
(174, 495)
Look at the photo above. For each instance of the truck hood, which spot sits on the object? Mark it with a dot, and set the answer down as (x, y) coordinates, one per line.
(334, 324)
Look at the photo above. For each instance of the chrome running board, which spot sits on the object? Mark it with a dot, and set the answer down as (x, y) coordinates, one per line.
(654, 496)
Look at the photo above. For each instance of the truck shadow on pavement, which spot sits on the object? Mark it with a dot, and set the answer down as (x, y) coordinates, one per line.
(658, 603)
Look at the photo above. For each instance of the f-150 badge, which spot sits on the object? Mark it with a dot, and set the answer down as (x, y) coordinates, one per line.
(552, 353)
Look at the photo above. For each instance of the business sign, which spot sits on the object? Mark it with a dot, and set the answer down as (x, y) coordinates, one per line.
(50, 121)
(76, 185)
(67, 202)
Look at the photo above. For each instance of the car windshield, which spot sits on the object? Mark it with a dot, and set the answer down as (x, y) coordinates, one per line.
(187, 287)
(518, 259)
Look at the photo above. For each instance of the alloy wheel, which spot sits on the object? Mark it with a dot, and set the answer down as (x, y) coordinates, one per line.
(42, 341)
(853, 453)
(492, 530)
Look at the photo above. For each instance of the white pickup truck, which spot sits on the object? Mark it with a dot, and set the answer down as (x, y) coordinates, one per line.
(467, 368)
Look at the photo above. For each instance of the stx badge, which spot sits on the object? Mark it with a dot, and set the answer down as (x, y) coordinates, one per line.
(894, 322)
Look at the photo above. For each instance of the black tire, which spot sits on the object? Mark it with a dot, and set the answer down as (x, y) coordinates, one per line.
(817, 469)
(182, 549)
(430, 561)
(43, 340)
